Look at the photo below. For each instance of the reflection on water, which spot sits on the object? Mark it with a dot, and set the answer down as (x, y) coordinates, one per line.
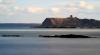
(48, 46)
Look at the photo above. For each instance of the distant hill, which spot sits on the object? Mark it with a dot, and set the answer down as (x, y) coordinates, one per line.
(70, 22)
(18, 25)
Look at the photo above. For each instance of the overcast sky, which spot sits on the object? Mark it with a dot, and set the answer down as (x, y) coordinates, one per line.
(35, 11)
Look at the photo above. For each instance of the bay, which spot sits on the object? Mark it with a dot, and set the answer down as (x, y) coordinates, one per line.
(30, 44)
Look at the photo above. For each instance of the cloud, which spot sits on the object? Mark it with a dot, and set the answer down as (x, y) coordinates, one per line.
(55, 10)
(9, 2)
(6, 7)
(10, 10)
(32, 9)
(72, 9)
(17, 8)
(86, 5)
(75, 7)
(63, 10)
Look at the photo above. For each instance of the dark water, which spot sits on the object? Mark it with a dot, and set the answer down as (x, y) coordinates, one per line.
(32, 45)
(48, 46)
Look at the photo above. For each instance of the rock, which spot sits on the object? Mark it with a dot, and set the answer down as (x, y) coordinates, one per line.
(66, 36)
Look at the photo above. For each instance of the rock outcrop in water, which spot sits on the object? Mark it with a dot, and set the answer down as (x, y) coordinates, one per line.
(70, 22)
(66, 36)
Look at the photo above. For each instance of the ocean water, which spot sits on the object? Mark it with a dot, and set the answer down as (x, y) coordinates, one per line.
(36, 32)
(30, 44)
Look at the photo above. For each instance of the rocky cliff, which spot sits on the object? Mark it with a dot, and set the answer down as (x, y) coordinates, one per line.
(53, 22)
(70, 22)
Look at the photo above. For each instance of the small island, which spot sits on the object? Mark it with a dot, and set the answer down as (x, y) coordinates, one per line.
(65, 36)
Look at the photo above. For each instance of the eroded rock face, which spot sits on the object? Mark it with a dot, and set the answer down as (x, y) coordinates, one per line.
(70, 22)
(53, 22)
(47, 23)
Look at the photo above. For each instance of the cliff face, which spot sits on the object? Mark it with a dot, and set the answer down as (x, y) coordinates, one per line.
(70, 22)
(90, 23)
(53, 22)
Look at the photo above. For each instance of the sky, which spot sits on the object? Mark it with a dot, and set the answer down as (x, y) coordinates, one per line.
(35, 11)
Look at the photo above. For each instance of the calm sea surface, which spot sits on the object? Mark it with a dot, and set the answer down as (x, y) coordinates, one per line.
(30, 44)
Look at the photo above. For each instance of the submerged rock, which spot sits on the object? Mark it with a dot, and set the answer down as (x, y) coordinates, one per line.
(10, 35)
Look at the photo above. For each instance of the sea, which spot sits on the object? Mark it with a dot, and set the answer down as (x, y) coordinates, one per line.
(29, 42)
